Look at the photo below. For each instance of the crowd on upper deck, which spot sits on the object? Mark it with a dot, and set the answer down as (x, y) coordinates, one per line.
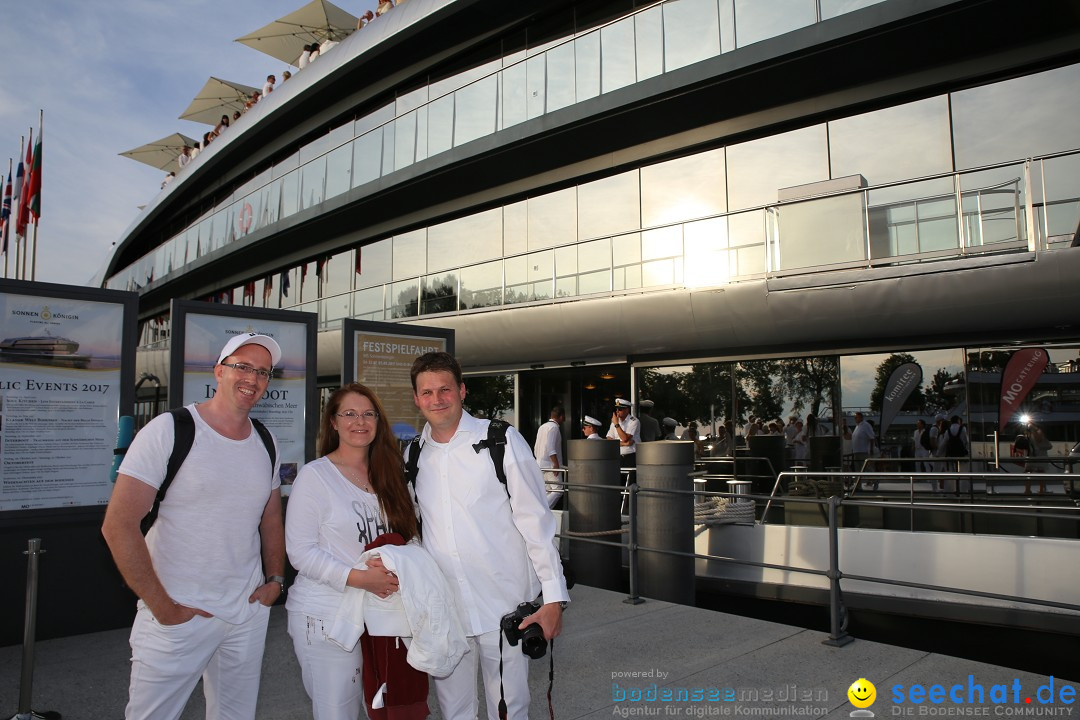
(311, 53)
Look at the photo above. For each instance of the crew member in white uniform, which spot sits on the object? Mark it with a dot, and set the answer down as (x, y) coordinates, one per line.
(548, 452)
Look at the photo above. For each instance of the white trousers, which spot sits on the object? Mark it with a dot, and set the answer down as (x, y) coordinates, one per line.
(167, 661)
(457, 691)
(331, 676)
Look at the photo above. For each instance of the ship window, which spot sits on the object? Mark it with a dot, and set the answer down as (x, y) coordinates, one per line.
(896, 143)
(339, 171)
(312, 183)
(683, 189)
(824, 231)
(515, 228)
(404, 297)
(756, 21)
(587, 66)
(465, 241)
(560, 76)
(337, 274)
(1018, 118)
(368, 304)
(290, 194)
(439, 294)
(759, 168)
(609, 206)
(481, 285)
(405, 141)
(440, 125)
(474, 110)
(410, 254)
(691, 32)
(553, 219)
(372, 265)
(594, 266)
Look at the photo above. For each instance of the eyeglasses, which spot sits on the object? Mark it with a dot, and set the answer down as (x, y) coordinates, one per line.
(245, 369)
(353, 416)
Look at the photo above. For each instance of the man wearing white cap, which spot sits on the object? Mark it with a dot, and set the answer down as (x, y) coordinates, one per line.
(650, 427)
(627, 430)
(213, 562)
(590, 426)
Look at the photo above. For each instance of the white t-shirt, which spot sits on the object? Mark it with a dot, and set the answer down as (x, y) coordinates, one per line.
(328, 523)
(205, 543)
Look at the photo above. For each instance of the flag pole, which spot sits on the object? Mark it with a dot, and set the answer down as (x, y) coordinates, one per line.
(26, 183)
(37, 215)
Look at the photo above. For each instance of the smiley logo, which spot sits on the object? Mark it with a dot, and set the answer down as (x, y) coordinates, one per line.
(862, 693)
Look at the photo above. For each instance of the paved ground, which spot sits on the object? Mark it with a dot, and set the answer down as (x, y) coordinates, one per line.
(617, 660)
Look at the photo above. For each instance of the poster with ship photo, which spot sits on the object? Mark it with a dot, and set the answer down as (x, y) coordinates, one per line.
(288, 407)
(60, 390)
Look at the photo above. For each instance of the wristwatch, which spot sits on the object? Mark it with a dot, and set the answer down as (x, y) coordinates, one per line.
(279, 580)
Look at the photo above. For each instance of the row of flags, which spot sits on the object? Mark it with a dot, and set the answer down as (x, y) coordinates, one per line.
(22, 193)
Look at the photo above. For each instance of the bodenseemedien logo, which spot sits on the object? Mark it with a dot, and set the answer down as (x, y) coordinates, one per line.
(862, 695)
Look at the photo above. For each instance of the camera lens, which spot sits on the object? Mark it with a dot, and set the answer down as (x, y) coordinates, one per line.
(533, 643)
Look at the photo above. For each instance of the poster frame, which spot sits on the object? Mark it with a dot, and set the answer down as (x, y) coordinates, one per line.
(350, 327)
(180, 309)
(128, 341)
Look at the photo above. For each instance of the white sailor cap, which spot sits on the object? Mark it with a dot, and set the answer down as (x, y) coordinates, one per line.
(590, 420)
(622, 402)
(647, 404)
(669, 422)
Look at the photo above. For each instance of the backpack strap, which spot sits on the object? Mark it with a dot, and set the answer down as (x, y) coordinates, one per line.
(412, 465)
(183, 439)
(496, 447)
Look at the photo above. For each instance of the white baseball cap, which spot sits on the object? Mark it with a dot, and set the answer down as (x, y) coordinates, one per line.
(238, 341)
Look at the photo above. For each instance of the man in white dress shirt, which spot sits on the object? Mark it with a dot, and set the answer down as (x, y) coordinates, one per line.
(494, 557)
(548, 452)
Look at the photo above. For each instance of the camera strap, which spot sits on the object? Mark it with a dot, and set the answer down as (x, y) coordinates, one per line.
(551, 679)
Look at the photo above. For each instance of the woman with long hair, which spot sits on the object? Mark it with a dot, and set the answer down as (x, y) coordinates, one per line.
(339, 504)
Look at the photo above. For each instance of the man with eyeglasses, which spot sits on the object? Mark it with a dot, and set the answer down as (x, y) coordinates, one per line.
(213, 562)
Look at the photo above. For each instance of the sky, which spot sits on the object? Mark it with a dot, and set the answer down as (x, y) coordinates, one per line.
(111, 75)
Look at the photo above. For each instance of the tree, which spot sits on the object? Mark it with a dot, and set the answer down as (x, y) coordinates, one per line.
(666, 390)
(915, 401)
(937, 400)
(489, 396)
(757, 377)
(809, 381)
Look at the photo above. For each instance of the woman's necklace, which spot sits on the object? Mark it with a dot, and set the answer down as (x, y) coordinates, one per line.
(356, 477)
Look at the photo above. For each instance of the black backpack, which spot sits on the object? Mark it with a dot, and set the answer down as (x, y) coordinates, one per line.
(924, 439)
(954, 444)
(183, 439)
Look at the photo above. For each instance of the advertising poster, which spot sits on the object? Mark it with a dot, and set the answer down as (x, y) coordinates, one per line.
(382, 359)
(59, 393)
(283, 409)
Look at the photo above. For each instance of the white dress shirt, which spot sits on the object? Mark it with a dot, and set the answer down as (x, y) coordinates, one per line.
(495, 552)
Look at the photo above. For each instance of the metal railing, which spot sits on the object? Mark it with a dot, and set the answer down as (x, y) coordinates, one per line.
(837, 613)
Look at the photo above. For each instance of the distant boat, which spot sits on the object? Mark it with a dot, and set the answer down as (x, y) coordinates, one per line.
(42, 350)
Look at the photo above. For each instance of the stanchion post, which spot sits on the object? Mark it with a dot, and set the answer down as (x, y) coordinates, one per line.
(26, 683)
(632, 547)
(837, 636)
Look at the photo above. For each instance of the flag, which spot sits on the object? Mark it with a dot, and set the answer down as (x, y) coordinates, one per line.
(359, 269)
(16, 194)
(5, 210)
(22, 216)
(285, 283)
(34, 182)
(268, 286)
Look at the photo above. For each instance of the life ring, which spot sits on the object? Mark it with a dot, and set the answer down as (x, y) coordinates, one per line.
(246, 217)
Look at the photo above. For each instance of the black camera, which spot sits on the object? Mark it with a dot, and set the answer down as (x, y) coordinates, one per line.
(532, 639)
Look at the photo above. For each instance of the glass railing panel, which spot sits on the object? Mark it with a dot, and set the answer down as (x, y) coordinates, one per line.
(388, 144)
(317, 147)
(161, 261)
(206, 243)
(825, 231)
(649, 43)
(339, 171)
(290, 194)
(617, 63)
(1058, 197)
(404, 299)
(271, 201)
(587, 66)
(517, 276)
(706, 256)
(691, 32)
(626, 262)
(440, 125)
(832, 8)
(535, 81)
(283, 167)
(367, 158)
(594, 266)
(993, 205)
(560, 78)
(312, 183)
(659, 250)
(756, 21)
(481, 285)
(513, 108)
(912, 219)
(566, 268)
(405, 141)
(221, 228)
(334, 308)
(439, 294)
(421, 133)
(368, 303)
(474, 110)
